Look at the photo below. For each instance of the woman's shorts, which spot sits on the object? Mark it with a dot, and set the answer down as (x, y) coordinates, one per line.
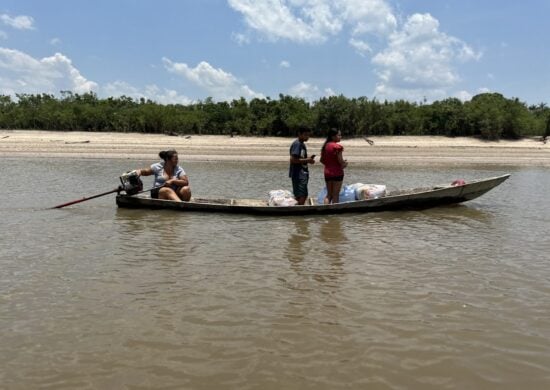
(155, 193)
(334, 178)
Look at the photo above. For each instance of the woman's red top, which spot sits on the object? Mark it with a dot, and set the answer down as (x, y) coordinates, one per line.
(330, 159)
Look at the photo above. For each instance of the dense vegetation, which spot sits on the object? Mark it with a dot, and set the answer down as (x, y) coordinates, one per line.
(488, 115)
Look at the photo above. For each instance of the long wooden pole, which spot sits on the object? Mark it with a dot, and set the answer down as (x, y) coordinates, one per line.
(85, 199)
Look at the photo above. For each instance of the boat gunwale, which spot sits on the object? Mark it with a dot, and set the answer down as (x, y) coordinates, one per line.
(377, 204)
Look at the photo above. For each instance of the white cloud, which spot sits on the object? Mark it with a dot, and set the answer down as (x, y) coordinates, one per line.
(303, 89)
(314, 21)
(275, 19)
(463, 96)
(308, 91)
(389, 92)
(220, 84)
(151, 92)
(55, 41)
(121, 88)
(466, 96)
(241, 39)
(165, 96)
(22, 22)
(329, 92)
(284, 64)
(21, 73)
(418, 62)
(371, 16)
(360, 46)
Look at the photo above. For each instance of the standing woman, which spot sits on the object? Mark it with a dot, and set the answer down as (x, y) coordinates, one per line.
(171, 182)
(333, 160)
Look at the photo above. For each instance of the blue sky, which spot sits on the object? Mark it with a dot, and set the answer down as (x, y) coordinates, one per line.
(181, 51)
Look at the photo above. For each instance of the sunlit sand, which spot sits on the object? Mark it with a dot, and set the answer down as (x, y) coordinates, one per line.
(387, 150)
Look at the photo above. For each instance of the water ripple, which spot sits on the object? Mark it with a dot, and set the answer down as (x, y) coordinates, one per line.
(97, 297)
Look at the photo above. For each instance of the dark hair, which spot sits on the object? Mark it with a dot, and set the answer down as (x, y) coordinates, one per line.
(303, 129)
(331, 133)
(167, 154)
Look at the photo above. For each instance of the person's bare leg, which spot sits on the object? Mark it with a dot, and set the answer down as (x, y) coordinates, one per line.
(168, 194)
(301, 200)
(184, 193)
(327, 196)
(337, 186)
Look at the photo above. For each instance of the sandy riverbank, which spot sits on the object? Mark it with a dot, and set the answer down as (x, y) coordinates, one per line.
(402, 150)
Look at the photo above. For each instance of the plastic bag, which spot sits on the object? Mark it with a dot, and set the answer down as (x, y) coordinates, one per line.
(458, 182)
(281, 198)
(371, 191)
(347, 193)
(321, 196)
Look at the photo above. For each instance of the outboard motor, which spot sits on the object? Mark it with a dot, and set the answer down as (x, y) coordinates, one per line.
(131, 183)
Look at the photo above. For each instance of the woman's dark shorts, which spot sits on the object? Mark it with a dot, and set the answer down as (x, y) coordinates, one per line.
(155, 193)
(334, 178)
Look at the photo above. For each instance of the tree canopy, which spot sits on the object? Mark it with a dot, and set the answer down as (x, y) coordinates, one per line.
(488, 116)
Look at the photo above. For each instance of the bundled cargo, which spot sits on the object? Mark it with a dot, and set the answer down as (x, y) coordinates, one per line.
(347, 194)
(281, 198)
(370, 191)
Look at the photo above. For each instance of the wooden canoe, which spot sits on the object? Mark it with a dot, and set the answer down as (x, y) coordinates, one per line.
(416, 198)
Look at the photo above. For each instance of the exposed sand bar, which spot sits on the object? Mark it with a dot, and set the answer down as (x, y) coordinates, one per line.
(399, 150)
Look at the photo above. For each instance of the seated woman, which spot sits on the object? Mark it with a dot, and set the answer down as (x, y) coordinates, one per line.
(171, 182)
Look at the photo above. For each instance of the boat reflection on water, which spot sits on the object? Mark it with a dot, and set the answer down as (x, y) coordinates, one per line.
(298, 238)
(333, 236)
(316, 248)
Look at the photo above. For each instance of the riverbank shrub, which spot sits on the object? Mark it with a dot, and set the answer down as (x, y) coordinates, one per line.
(489, 116)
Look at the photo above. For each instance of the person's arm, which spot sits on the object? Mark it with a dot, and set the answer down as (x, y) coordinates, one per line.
(295, 152)
(343, 163)
(144, 172)
(181, 181)
(294, 159)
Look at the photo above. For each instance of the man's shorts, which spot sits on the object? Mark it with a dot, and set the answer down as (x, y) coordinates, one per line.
(299, 187)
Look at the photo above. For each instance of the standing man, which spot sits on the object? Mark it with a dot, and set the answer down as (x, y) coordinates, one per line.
(298, 170)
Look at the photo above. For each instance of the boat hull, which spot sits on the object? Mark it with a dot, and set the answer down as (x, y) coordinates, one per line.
(420, 198)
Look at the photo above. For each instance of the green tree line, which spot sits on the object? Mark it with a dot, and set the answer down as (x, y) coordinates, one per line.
(488, 116)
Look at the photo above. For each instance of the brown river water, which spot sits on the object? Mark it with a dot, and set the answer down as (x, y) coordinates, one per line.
(95, 297)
